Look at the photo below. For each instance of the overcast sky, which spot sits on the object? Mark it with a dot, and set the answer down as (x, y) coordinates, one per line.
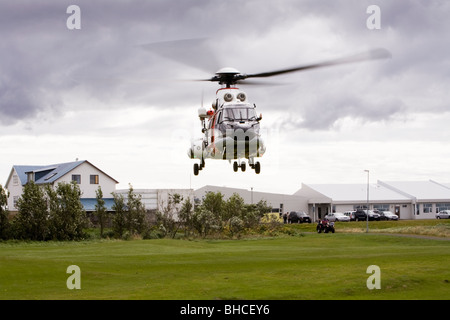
(96, 94)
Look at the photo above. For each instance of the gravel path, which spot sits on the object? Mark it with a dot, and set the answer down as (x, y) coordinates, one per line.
(419, 236)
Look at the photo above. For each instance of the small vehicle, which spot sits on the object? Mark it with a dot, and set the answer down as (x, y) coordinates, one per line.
(298, 217)
(351, 215)
(388, 215)
(444, 214)
(361, 215)
(337, 216)
(325, 226)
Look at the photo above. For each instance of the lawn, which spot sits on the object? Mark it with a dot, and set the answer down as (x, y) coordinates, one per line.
(431, 227)
(309, 266)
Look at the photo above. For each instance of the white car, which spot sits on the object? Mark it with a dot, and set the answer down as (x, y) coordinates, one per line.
(388, 215)
(444, 214)
(337, 216)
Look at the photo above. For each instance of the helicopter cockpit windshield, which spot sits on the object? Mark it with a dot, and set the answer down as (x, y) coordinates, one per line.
(239, 113)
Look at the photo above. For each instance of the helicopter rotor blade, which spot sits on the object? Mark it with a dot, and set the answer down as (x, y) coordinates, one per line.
(370, 55)
(190, 52)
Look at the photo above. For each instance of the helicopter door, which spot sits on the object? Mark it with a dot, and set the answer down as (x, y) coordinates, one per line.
(211, 127)
(218, 118)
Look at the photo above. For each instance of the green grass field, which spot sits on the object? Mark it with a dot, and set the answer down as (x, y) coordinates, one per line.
(306, 266)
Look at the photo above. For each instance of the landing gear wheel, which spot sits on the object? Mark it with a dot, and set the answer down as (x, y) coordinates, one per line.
(257, 167)
(196, 169)
(235, 166)
(243, 166)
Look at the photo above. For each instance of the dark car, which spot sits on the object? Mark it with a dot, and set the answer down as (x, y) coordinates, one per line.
(361, 215)
(298, 217)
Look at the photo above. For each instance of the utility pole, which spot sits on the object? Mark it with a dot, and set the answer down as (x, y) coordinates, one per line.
(367, 213)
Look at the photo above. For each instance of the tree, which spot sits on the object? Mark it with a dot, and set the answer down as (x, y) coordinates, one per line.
(67, 215)
(119, 219)
(236, 214)
(136, 212)
(234, 207)
(213, 201)
(185, 216)
(171, 217)
(100, 210)
(262, 207)
(4, 221)
(32, 222)
(129, 215)
(204, 221)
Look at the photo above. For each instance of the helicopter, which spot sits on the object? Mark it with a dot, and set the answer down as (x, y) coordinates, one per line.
(232, 131)
(231, 128)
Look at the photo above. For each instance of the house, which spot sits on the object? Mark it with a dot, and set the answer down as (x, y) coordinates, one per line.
(88, 177)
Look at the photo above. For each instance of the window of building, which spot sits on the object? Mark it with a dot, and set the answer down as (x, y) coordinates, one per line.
(94, 179)
(15, 199)
(442, 206)
(76, 178)
(15, 180)
(427, 208)
(51, 176)
(30, 176)
(381, 207)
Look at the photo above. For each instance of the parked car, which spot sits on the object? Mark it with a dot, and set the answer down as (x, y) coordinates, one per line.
(388, 215)
(351, 215)
(444, 214)
(337, 216)
(298, 217)
(361, 215)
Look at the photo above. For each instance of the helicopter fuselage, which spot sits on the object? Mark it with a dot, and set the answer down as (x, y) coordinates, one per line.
(234, 133)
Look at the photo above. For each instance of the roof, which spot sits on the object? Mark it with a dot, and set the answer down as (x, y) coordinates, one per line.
(48, 173)
(420, 190)
(227, 192)
(355, 193)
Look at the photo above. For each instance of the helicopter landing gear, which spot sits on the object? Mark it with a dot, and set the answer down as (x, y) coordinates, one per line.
(236, 166)
(256, 166)
(198, 167)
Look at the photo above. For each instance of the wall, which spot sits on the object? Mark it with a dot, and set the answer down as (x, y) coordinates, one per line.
(88, 190)
(156, 199)
(289, 202)
(15, 190)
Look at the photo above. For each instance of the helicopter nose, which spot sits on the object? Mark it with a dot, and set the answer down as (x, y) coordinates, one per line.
(246, 130)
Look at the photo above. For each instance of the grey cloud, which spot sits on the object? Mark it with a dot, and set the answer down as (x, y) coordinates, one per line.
(43, 64)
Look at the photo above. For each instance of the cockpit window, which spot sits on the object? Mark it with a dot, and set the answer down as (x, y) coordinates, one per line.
(239, 114)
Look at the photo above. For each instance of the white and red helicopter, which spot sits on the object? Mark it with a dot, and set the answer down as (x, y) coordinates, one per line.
(231, 128)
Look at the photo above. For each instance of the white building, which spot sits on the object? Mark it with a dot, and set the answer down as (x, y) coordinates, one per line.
(427, 197)
(279, 202)
(407, 199)
(157, 199)
(88, 176)
(326, 198)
